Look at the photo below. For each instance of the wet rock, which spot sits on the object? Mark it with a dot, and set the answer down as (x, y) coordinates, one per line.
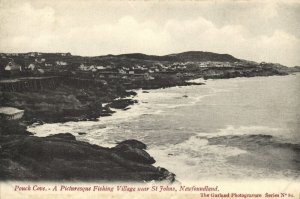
(122, 103)
(168, 176)
(66, 136)
(134, 154)
(133, 143)
(61, 157)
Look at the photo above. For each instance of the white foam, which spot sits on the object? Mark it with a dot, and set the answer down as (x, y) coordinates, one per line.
(195, 159)
(242, 130)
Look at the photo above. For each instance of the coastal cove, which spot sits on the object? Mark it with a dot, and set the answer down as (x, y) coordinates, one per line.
(228, 128)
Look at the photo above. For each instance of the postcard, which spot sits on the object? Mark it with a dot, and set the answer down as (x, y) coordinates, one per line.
(149, 99)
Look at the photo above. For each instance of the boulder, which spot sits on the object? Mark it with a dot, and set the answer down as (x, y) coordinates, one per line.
(133, 143)
(134, 154)
(122, 103)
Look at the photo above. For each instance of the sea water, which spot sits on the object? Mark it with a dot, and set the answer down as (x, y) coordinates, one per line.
(239, 128)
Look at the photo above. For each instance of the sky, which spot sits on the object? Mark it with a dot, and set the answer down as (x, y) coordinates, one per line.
(253, 30)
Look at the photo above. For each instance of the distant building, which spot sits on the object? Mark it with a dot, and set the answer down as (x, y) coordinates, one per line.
(48, 64)
(13, 67)
(31, 67)
(83, 67)
(10, 113)
(32, 54)
(65, 54)
(121, 71)
(100, 67)
(61, 63)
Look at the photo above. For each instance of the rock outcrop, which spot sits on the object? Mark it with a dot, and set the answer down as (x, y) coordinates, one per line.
(62, 157)
(122, 103)
(134, 150)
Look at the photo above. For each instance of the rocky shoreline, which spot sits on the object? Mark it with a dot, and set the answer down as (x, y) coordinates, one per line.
(61, 157)
(25, 157)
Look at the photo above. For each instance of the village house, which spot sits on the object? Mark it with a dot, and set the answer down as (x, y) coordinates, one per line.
(65, 54)
(40, 60)
(100, 67)
(61, 63)
(83, 67)
(92, 68)
(32, 54)
(48, 64)
(35, 69)
(121, 71)
(31, 66)
(10, 113)
(13, 67)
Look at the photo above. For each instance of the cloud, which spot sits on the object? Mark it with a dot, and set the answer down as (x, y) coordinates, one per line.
(29, 27)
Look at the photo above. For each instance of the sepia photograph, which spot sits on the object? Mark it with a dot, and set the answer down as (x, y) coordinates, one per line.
(149, 99)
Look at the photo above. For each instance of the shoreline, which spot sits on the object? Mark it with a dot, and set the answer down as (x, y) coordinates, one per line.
(16, 135)
(20, 152)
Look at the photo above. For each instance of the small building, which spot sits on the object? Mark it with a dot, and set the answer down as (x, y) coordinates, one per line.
(32, 54)
(48, 64)
(121, 71)
(100, 67)
(83, 67)
(12, 66)
(148, 77)
(65, 54)
(31, 66)
(61, 63)
(10, 113)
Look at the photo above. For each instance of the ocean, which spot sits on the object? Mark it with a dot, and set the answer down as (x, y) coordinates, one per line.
(241, 128)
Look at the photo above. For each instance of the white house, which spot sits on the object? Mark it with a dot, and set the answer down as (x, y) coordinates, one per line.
(61, 63)
(92, 68)
(121, 71)
(11, 66)
(100, 67)
(82, 67)
(31, 66)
